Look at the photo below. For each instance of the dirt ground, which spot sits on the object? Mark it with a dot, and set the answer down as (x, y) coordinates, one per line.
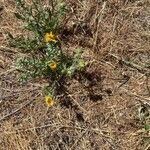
(104, 108)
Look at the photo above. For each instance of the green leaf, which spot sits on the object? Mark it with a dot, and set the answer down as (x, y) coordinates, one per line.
(147, 127)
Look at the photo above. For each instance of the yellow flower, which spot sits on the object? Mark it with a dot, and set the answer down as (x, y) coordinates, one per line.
(53, 66)
(49, 101)
(50, 37)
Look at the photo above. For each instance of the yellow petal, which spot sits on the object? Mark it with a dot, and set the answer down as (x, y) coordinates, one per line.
(49, 101)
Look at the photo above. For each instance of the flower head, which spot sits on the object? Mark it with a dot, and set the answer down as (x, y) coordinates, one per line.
(49, 101)
(50, 37)
(53, 65)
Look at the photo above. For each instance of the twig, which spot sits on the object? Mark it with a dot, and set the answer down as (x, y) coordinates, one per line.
(132, 65)
(144, 100)
(61, 126)
(17, 110)
(147, 85)
(99, 17)
(8, 71)
(110, 143)
(78, 139)
(6, 49)
(17, 92)
(147, 148)
(81, 108)
(124, 82)
(44, 126)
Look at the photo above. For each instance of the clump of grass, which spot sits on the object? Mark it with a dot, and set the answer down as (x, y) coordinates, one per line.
(44, 58)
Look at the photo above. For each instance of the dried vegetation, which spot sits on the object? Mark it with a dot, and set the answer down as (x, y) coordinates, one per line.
(104, 108)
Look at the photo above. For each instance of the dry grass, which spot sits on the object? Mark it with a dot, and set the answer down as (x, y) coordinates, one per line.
(98, 109)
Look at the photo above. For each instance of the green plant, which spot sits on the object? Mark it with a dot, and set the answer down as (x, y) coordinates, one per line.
(44, 58)
(39, 20)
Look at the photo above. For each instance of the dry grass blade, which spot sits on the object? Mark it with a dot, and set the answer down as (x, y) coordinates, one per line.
(17, 110)
(144, 100)
(8, 71)
(99, 109)
(133, 65)
(99, 17)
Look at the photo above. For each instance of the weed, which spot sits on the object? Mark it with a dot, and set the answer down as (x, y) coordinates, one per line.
(44, 58)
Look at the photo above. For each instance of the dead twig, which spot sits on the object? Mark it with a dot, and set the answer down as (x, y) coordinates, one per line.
(79, 138)
(8, 71)
(144, 100)
(99, 17)
(141, 69)
(147, 85)
(17, 110)
(80, 107)
(7, 49)
(14, 93)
